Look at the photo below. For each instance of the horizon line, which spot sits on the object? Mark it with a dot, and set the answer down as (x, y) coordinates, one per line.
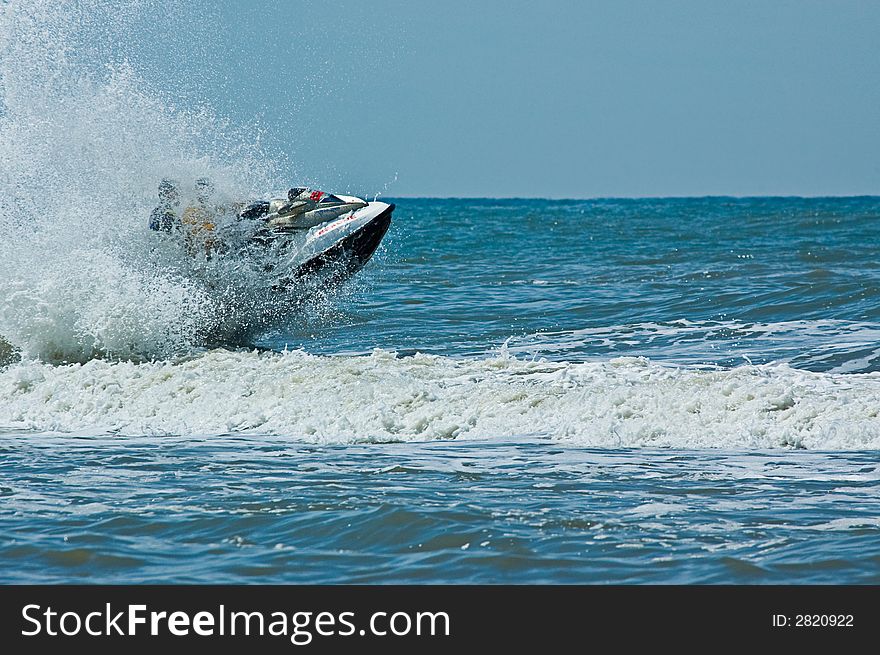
(673, 197)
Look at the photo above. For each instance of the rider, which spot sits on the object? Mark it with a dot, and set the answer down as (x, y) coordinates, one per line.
(164, 216)
(199, 219)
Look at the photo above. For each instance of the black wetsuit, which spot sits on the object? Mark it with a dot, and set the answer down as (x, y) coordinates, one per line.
(164, 218)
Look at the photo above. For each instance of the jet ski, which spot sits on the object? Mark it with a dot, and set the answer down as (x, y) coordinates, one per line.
(315, 237)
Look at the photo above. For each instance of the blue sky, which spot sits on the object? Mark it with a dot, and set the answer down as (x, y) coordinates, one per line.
(552, 99)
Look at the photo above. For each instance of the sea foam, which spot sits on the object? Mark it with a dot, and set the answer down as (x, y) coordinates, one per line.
(626, 402)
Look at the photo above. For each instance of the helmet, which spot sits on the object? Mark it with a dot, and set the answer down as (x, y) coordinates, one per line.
(168, 189)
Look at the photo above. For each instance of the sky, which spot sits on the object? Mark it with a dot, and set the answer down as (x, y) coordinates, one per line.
(596, 98)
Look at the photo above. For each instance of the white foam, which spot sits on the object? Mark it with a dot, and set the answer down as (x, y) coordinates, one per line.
(625, 402)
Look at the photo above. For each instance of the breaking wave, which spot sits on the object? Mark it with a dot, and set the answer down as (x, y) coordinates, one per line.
(626, 402)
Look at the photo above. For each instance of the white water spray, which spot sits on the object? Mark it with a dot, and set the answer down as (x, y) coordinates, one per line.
(84, 139)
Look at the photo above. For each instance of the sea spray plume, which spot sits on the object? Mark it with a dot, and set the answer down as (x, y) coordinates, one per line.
(83, 142)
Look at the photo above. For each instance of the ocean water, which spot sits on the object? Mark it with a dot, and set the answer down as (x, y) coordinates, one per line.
(647, 391)
(513, 390)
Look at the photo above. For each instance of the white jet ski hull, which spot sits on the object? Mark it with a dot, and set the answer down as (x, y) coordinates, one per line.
(334, 251)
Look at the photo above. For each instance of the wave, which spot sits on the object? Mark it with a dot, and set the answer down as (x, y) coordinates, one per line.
(620, 403)
(832, 345)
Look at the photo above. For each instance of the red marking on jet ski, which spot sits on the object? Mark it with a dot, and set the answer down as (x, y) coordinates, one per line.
(316, 196)
(335, 224)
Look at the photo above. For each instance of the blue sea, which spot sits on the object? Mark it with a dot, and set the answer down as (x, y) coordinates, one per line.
(560, 391)
(681, 390)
